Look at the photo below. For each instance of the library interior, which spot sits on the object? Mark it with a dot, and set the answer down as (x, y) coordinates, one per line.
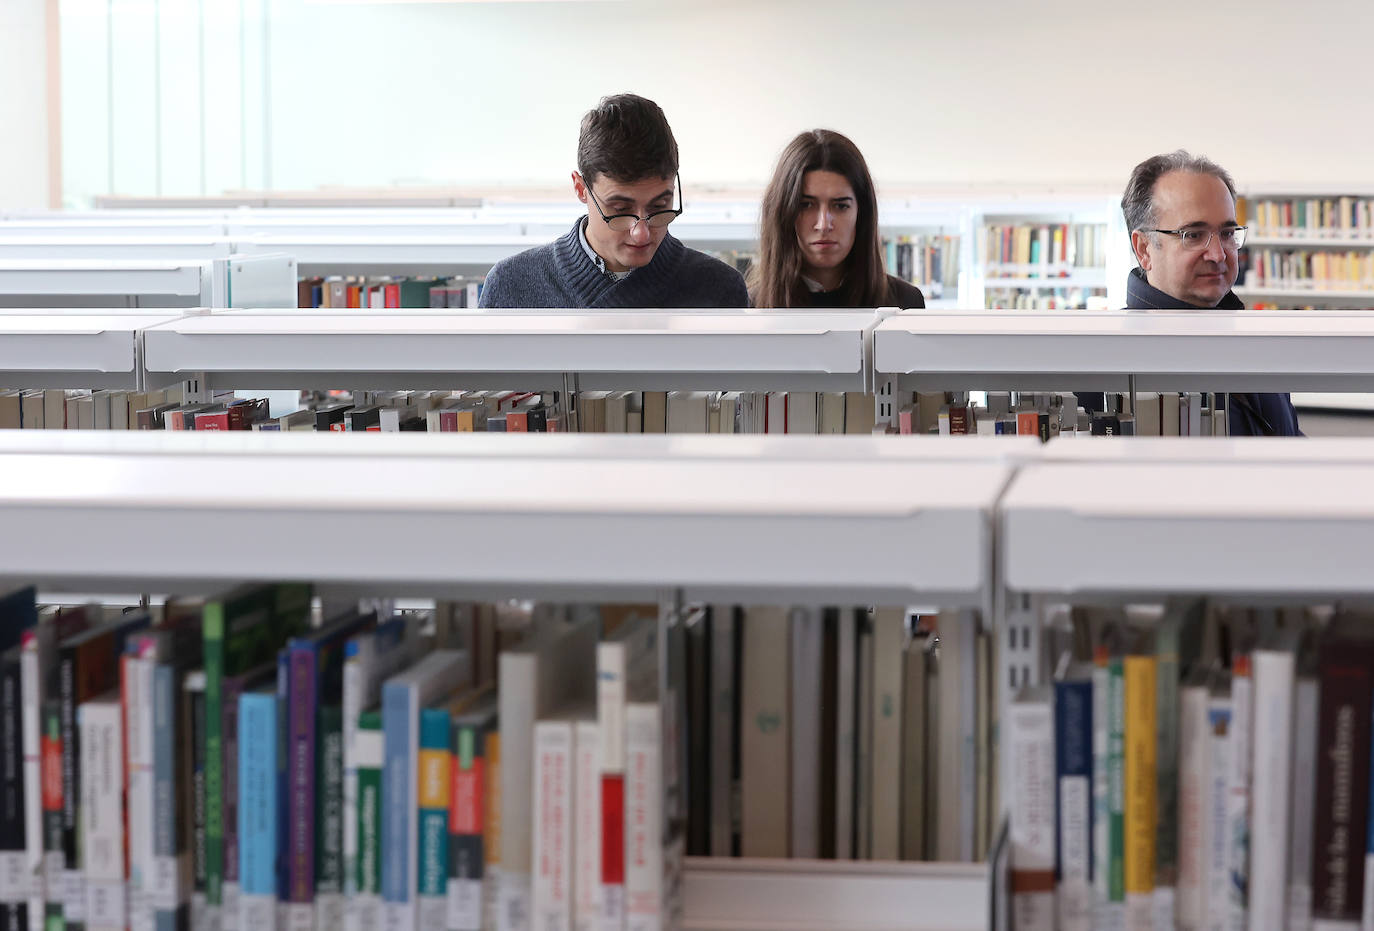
(964, 411)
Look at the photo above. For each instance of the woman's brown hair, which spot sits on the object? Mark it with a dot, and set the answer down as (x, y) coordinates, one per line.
(775, 280)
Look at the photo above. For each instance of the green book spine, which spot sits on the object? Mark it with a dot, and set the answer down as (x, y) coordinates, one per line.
(1116, 780)
(213, 620)
(329, 801)
(53, 918)
(366, 902)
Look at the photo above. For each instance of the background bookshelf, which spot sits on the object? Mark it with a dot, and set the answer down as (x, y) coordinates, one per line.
(1307, 249)
(1050, 254)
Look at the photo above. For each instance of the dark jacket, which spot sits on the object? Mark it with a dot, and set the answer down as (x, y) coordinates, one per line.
(1251, 414)
(901, 294)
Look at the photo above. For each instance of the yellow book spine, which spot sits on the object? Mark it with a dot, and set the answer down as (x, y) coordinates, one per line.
(1140, 776)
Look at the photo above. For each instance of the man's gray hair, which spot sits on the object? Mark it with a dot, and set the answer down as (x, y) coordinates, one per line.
(1138, 203)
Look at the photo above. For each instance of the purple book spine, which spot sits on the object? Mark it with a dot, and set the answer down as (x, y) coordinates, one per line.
(300, 864)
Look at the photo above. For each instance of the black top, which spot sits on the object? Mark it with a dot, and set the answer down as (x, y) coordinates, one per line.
(1251, 414)
(901, 294)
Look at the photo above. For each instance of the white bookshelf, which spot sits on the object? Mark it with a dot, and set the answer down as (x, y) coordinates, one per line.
(1159, 350)
(60, 279)
(1306, 295)
(637, 350)
(73, 349)
(364, 253)
(1309, 242)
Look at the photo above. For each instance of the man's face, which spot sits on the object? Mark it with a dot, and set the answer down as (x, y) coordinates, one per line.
(635, 247)
(1185, 199)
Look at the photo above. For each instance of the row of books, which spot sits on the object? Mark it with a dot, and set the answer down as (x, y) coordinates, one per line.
(931, 262)
(1207, 768)
(996, 298)
(1308, 217)
(1048, 415)
(338, 291)
(1042, 251)
(235, 762)
(1303, 269)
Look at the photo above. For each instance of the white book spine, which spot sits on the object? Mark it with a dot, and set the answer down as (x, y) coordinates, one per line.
(139, 742)
(1272, 774)
(1238, 799)
(37, 647)
(102, 815)
(587, 827)
(516, 700)
(1030, 754)
(644, 893)
(352, 701)
(369, 752)
(1192, 778)
(1304, 804)
(1218, 879)
(553, 793)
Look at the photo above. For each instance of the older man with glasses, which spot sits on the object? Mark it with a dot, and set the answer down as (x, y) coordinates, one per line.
(1181, 211)
(620, 253)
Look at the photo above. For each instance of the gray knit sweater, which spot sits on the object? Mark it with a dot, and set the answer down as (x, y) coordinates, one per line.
(561, 275)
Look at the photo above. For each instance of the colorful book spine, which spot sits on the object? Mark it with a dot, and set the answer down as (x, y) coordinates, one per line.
(194, 688)
(54, 858)
(366, 901)
(300, 808)
(1101, 819)
(102, 814)
(587, 827)
(1116, 792)
(553, 826)
(329, 817)
(1238, 788)
(1140, 787)
(435, 760)
(167, 890)
(1073, 803)
(232, 688)
(645, 895)
(1217, 870)
(257, 812)
(466, 826)
(14, 880)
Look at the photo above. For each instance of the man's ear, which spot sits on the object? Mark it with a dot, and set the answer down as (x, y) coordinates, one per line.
(1140, 245)
(579, 187)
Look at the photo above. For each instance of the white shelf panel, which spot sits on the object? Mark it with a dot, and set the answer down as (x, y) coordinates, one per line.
(75, 276)
(891, 532)
(812, 895)
(161, 248)
(1202, 350)
(1236, 451)
(1085, 281)
(1306, 294)
(354, 254)
(1309, 242)
(1337, 401)
(645, 350)
(41, 349)
(1260, 528)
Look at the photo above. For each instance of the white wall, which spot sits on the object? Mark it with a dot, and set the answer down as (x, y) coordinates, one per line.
(23, 105)
(980, 91)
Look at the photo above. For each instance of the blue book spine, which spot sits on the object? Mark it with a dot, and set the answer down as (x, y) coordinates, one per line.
(171, 910)
(435, 784)
(1073, 774)
(399, 802)
(283, 781)
(258, 813)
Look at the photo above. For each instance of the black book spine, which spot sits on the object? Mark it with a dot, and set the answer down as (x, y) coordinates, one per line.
(13, 914)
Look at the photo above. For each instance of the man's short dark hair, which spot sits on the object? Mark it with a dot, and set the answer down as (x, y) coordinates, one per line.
(627, 138)
(1138, 203)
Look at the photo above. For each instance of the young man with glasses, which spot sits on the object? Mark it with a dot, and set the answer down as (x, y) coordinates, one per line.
(620, 253)
(1181, 211)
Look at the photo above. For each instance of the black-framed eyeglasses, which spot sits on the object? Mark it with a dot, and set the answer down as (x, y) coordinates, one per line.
(1198, 238)
(624, 222)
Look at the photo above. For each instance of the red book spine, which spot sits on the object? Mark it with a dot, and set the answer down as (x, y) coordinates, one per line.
(448, 421)
(392, 295)
(1028, 423)
(613, 843)
(517, 422)
(215, 421)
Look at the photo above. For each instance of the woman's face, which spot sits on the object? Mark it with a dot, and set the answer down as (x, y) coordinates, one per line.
(826, 222)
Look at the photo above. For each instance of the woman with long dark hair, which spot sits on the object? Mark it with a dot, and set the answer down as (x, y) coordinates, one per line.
(818, 239)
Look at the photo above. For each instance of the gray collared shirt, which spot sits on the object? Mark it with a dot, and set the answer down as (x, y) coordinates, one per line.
(597, 260)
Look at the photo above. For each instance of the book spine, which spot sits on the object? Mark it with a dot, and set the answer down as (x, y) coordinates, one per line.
(886, 772)
(516, 709)
(465, 830)
(283, 689)
(1073, 803)
(54, 858)
(1217, 870)
(15, 882)
(357, 660)
(1272, 772)
(329, 818)
(1030, 754)
(1238, 787)
(213, 622)
(644, 892)
(553, 791)
(31, 679)
(195, 718)
(166, 893)
(434, 779)
(611, 676)
(300, 812)
(231, 690)
(136, 688)
(1303, 811)
(1166, 762)
(399, 808)
(491, 834)
(366, 901)
(1342, 774)
(102, 816)
(1101, 819)
(1140, 786)
(1116, 788)
(73, 884)
(586, 809)
(1192, 824)
(257, 812)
